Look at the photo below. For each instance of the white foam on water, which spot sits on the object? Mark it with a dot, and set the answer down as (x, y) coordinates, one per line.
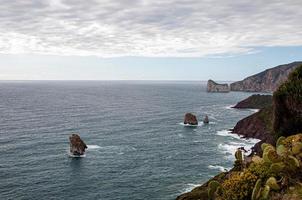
(89, 147)
(229, 147)
(76, 156)
(189, 187)
(254, 110)
(220, 168)
(228, 133)
(189, 125)
(229, 107)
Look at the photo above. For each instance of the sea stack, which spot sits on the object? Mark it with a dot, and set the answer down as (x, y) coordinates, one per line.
(77, 146)
(212, 86)
(190, 119)
(206, 120)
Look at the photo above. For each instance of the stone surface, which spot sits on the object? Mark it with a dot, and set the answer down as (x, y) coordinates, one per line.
(255, 101)
(212, 86)
(190, 119)
(77, 145)
(257, 125)
(206, 119)
(266, 81)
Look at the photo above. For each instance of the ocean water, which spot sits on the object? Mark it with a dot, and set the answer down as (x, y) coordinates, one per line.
(138, 147)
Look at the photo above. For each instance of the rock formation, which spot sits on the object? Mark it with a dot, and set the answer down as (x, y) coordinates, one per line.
(257, 125)
(283, 118)
(255, 101)
(206, 120)
(288, 105)
(190, 119)
(77, 146)
(266, 81)
(212, 86)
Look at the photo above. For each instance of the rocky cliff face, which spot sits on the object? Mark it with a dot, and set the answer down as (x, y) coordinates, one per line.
(284, 117)
(258, 125)
(215, 87)
(266, 81)
(288, 105)
(256, 101)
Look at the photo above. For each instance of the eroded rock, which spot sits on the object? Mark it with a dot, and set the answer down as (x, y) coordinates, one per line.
(77, 145)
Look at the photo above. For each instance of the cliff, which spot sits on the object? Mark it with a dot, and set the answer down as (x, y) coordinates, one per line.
(212, 86)
(275, 171)
(288, 105)
(256, 101)
(266, 81)
(274, 175)
(257, 125)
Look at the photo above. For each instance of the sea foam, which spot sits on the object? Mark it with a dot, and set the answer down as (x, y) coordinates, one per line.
(230, 147)
(89, 147)
(220, 168)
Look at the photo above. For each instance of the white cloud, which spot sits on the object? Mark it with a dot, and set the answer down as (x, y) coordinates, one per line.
(184, 28)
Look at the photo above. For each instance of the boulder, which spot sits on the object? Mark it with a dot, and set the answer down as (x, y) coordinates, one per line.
(77, 146)
(190, 119)
(206, 120)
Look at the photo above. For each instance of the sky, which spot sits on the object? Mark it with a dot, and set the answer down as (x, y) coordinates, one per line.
(146, 39)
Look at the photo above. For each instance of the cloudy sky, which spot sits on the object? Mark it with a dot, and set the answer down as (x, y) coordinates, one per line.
(147, 39)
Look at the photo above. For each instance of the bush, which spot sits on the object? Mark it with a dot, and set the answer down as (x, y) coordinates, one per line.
(239, 186)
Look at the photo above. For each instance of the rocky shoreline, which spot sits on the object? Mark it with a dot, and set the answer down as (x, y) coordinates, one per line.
(246, 180)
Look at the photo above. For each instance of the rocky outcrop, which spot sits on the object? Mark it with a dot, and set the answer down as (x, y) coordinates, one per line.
(288, 105)
(201, 192)
(190, 119)
(77, 146)
(255, 101)
(257, 125)
(283, 118)
(266, 81)
(206, 119)
(212, 86)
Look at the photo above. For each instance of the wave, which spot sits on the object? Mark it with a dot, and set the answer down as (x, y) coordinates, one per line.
(93, 147)
(228, 133)
(221, 168)
(76, 156)
(189, 187)
(189, 125)
(229, 147)
(229, 107)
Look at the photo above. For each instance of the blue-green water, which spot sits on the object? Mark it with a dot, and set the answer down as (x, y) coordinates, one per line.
(137, 146)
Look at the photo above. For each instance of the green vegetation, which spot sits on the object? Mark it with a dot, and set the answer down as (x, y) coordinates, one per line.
(277, 172)
(288, 105)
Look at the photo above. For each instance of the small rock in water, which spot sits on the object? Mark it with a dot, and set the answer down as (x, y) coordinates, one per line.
(206, 120)
(77, 146)
(190, 119)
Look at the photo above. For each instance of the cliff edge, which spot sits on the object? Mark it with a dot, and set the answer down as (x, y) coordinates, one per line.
(266, 81)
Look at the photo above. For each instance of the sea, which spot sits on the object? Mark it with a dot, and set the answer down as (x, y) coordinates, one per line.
(138, 146)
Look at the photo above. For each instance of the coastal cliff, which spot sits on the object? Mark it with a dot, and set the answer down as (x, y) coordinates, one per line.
(256, 101)
(266, 81)
(212, 86)
(274, 172)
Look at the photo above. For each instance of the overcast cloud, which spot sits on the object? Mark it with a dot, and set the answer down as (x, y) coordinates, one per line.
(110, 28)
